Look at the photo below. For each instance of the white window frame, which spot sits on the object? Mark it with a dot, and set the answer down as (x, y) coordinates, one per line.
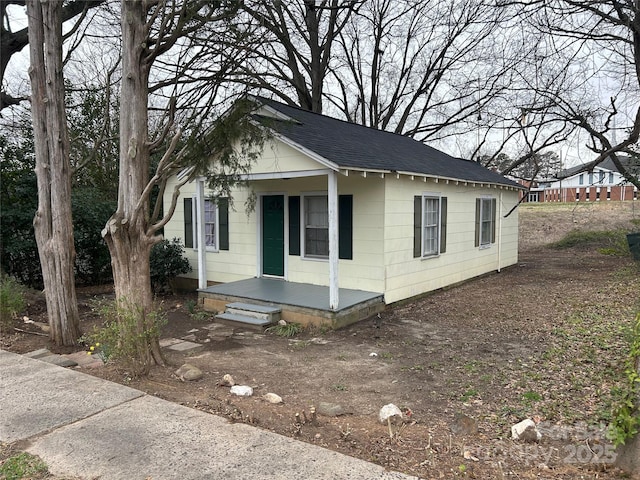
(485, 242)
(303, 226)
(437, 198)
(210, 247)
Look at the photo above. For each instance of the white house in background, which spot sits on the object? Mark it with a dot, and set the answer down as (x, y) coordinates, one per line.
(346, 209)
(602, 183)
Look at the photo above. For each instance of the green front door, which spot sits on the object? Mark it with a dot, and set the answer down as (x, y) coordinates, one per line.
(273, 235)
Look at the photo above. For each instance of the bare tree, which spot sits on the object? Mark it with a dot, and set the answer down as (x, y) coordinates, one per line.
(599, 44)
(13, 42)
(149, 31)
(293, 59)
(418, 68)
(53, 225)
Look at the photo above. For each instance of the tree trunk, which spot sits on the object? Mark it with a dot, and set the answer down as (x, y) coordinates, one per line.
(126, 233)
(53, 224)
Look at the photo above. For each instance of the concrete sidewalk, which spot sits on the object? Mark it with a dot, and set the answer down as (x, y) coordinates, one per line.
(91, 428)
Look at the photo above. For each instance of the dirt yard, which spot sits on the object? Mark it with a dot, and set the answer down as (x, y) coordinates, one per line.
(544, 339)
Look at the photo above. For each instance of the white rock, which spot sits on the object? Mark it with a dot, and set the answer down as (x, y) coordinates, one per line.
(272, 398)
(389, 411)
(526, 430)
(228, 380)
(282, 323)
(373, 354)
(242, 390)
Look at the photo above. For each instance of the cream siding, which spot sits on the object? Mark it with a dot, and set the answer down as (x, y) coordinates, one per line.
(407, 276)
(382, 230)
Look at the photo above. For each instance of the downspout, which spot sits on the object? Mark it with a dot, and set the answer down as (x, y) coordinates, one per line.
(332, 200)
(202, 247)
(500, 232)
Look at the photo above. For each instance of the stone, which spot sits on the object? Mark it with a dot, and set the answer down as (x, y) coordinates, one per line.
(526, 431)
(186, 347)
(272, 398)
(189, 372)
(389, 411)
(331, 409)
(282, 323)
(167, 342)
(43, 352)
(58, 360)
(228, 381)
(464, 425)
(242, 390)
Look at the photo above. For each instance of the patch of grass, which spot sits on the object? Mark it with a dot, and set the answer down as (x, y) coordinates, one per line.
(287, 330)
(608, 242)
(469, 394)
(22, 465)
(340, 387)
(531, 396)
(386, 355)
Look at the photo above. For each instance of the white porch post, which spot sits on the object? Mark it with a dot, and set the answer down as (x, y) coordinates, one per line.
(202, 247)
(332, 179)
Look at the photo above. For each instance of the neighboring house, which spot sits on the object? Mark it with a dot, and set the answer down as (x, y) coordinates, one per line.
(604, 182)
(356, 215)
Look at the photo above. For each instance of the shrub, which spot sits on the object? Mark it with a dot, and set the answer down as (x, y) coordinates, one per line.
(120, 339)
(11, 299)
(167, 262)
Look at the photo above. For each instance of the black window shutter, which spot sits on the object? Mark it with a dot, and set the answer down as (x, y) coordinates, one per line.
(417, 226)
(294, 225)
(477, 243)
(345, 227)
(443, 224)
(223, 217)
(493, 220)
(188, 223)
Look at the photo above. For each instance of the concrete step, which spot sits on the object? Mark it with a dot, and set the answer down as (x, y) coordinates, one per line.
(244, 321)
(256, 311)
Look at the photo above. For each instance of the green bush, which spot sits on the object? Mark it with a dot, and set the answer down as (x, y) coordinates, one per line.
(120, 339)
(167, 262)
(608, 242)
(11, 299)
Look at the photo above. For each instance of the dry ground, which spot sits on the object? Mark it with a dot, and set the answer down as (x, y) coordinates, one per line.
(544, 339)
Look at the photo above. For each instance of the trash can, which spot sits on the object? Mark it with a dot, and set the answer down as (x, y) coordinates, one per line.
(633, 239)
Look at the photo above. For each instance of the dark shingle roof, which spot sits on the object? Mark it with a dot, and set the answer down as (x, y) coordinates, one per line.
(349, 145)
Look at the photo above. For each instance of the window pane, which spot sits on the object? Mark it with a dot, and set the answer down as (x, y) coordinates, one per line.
(210, 223)
(317, 242)
(485, 221)
(430, 226)
(316, 214)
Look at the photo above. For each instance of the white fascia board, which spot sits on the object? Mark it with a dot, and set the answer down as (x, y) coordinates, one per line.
(438, 179)
(283, 175)
(184, 173)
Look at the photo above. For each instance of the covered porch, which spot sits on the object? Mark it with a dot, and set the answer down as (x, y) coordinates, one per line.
(300, 302)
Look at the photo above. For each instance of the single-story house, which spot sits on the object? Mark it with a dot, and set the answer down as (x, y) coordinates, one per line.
(347, 219)
(602, 183)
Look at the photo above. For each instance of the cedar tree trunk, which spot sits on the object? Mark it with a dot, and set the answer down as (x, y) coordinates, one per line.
(53, 224)
(126, 233)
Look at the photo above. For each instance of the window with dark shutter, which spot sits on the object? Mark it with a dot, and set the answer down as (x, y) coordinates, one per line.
(417, 226)
(188, 223)
(345, 227)
(223, 217)
(294, 225)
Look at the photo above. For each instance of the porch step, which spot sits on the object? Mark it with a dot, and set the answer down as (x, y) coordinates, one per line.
(247, 315)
